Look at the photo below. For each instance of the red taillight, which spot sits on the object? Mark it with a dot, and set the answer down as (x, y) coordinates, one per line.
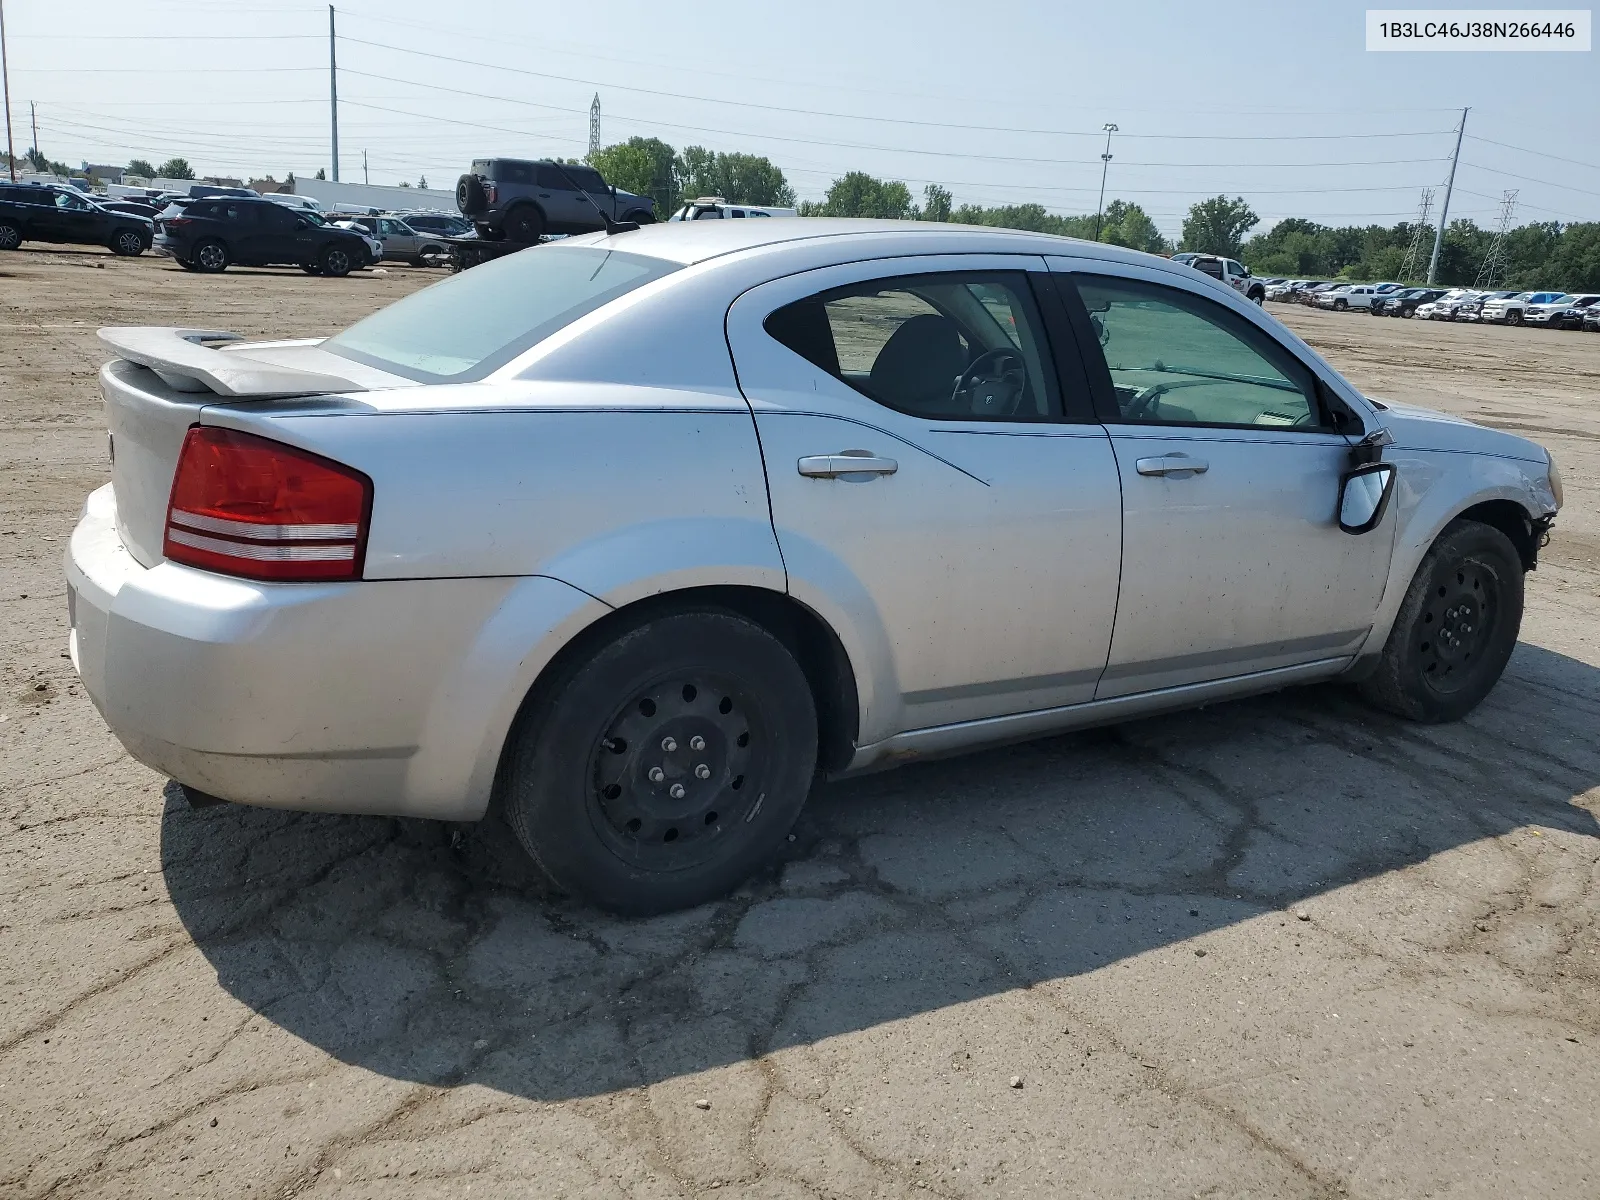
(493, 193)
(171, 221)
(246, 505)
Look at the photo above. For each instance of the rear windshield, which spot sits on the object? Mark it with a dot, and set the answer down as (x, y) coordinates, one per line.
(471, 324)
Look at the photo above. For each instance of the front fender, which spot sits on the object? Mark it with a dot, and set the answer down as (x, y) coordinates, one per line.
(1432, 488)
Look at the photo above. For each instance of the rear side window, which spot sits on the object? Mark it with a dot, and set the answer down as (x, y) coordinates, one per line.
(470, 324)
(552, 180)
(953, 347)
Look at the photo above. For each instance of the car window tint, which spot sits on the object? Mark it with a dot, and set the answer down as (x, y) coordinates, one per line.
(1235, 268)
(1177, 358)
(962, 346)
(553, 180)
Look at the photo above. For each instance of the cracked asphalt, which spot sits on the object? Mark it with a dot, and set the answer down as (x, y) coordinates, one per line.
(1278, 948)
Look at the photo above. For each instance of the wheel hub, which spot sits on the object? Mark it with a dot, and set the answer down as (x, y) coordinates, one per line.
(1456, 626)
(674, 769)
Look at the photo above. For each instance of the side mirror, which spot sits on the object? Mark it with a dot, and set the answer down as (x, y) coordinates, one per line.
(1364, 496)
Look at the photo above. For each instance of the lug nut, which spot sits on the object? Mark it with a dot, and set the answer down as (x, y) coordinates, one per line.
(657, 774)
(669, 744)
(702, 771)
(1466, 629)
(697, 742)
(676, 791)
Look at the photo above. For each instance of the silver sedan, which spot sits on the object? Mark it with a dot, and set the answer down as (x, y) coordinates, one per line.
(633, 536)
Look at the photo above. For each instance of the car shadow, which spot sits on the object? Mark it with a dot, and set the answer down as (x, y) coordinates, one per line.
(425, 952)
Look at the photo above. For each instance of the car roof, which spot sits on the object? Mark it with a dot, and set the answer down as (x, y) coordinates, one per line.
(690, 242)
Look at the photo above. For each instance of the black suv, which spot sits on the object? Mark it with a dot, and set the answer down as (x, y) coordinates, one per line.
(210, 233)
(513, 198)
(36, 212)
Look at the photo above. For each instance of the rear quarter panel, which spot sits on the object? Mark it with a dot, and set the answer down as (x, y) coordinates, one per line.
(620, 491)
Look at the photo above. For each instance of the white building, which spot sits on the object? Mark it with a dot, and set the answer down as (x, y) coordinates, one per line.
(364, 195)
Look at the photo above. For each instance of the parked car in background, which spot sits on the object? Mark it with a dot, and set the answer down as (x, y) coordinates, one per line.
(641, 613)
(1558, 314)
(212, 234)
(1441, 308)
(1591, 319)
(1511, 309)
(399, 242)
(522, 200)
(1405, 302)
(1231, 272)
(32, 212)
(1350, 295)
(1308, 294)
(131, 208)
(444, 225)
(302, 203)
(1283, 288)
(714, 208)
(1470, 307)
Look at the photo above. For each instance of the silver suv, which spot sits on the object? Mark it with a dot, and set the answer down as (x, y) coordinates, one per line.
(519, 200)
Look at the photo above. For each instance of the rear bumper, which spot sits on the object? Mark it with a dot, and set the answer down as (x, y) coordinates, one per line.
(387, 697)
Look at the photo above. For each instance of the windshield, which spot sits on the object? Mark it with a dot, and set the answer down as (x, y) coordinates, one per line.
(470, 324)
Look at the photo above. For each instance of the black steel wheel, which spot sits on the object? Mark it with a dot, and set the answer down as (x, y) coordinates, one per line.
(661, 770)
(1456, 627)
(210, 256)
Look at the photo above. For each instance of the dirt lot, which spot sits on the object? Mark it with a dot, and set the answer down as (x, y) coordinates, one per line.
(1278, 948)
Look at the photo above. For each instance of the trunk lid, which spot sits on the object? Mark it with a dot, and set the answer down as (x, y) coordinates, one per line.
(162, 380)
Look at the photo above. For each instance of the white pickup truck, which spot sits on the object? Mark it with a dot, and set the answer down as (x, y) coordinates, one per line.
(1511, 310)
(1232, 272)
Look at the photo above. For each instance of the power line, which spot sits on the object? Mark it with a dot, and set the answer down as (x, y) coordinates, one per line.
(1472, 137)
(804, 112)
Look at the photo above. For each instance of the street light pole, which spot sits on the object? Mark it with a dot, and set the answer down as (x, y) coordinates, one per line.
(5, 82)
(1105, 165)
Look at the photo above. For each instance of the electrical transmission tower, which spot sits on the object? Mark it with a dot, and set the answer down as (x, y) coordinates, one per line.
(594, 126)
(1419, 234)
(1494, 262)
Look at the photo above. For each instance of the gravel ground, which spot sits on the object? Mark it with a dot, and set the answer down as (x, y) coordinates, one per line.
(1276, 948)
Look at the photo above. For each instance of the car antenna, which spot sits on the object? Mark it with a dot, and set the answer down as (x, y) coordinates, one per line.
(610, 222)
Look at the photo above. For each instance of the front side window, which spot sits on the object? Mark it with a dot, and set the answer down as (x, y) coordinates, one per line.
(553, 180)
(71, 203)
(1235, 268)
(470, 324)
(953, 347)
(1178, 359)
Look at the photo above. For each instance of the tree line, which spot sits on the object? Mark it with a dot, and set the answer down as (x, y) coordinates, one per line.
(1540, 254)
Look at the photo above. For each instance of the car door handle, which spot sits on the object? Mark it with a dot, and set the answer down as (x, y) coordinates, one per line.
(846, 462)
(1171, 464)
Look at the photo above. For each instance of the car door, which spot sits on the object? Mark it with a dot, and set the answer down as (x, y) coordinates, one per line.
(1233, 561)
(559, 200)
(65, 217)
(397, 238)
(932, 481)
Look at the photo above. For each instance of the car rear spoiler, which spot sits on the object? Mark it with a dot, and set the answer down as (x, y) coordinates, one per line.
(186, 361)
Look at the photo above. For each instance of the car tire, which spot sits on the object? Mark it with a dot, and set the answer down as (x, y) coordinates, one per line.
(336, 262)
(210, 256)
(1456, 627)
(1514, 317)
(10, 235)
(660, 771)
(129, 243)
(1340, 305)
(1258, 296)
(639, 217)
(524, 223)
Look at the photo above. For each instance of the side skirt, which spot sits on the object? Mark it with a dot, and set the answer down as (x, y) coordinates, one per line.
(940, 740)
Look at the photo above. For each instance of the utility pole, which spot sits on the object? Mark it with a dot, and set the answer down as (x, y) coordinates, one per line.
(5, 81)
(594, 127)
(33, 119)
(1444, 209)
(333, 93)
(365, 178)
(1105, 165)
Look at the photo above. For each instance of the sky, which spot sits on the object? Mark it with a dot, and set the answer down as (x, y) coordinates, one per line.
(1002, 102)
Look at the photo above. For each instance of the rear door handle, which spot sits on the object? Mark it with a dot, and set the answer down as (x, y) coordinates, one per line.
(846, 462)
(1171, 464)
